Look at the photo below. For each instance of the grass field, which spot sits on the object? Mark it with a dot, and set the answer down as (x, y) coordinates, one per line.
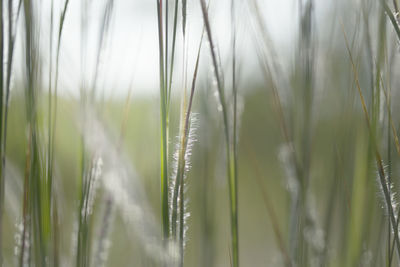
(253, 152)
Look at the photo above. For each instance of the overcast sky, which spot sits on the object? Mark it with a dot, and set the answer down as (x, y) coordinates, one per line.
(131, 55)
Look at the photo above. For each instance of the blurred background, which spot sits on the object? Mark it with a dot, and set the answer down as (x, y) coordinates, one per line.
(310, 191)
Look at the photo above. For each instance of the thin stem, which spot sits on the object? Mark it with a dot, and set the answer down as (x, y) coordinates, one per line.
(164, 141)
(378, 158)
(231, 164)
(2, 154)
(172, 53)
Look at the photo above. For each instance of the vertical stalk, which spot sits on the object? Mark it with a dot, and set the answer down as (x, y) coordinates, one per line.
(231, 163)
(164, 130)
(171, 71)
(235, 137)
(2, 154)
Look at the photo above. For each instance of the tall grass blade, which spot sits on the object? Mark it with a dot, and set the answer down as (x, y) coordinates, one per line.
(164, 126)
(184, 14)
(270, 209)
(379, 163)
(36, 186)
(91, 162)
(183, 160)
(231, 164)
(392, 18)
(171, 69)
(2, 182)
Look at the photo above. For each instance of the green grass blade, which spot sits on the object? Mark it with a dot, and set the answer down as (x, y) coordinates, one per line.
(231, 164)
(164, 131)
(2, 152)
(179, 185)
(378, 158)
(172, 53)
(393, 20)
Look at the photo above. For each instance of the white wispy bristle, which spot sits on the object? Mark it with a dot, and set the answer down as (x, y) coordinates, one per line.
(21, 239)
(74, 239)
(191, 139)
(18, 238)
(286, 157)
(135, 213)
(390, 187)
(393, 200)
(313, 233)
(95, 174)
(123, 185)
(103, 241)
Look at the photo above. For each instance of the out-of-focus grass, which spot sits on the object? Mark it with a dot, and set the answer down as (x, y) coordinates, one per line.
(310, 152)
(141, 145)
